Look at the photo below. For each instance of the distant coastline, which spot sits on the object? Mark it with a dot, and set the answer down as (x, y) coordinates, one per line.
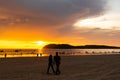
(67, 46)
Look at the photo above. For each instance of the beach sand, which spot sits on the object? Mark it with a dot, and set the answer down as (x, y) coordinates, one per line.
(104, 67)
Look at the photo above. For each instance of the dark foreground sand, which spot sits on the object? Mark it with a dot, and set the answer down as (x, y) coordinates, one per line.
(72, 68)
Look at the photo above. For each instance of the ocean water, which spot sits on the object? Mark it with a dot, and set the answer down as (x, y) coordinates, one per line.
(82, 51)
(5, 53)
(63, 52)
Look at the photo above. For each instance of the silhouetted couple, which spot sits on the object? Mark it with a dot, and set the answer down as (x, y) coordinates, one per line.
(51, 63)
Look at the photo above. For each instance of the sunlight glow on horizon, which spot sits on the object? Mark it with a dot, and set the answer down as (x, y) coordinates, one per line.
(41, 42)
(22, 44)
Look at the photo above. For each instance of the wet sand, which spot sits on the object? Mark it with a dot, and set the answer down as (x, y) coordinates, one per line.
(104, 67)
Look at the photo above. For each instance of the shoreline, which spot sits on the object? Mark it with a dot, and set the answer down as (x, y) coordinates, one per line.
(35, 56)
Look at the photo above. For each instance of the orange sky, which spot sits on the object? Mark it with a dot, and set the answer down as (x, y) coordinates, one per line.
(27, 23)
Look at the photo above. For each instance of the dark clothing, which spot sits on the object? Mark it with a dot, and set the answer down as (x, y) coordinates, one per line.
(57, 59)
(57, 62)
(50, 64)
(50, 59)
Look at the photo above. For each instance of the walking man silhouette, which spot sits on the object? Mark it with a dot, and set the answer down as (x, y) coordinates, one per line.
(50, 64)
(57, 62)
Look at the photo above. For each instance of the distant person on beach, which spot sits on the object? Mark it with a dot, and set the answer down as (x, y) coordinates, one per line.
(57, 59)
(37, 55)
(5, 55)
(50, 64)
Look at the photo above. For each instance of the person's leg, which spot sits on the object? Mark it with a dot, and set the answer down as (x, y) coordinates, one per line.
(48, 68)
(58, 69)
(52, 68)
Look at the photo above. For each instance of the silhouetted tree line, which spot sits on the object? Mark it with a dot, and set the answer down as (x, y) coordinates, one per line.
(67, 46)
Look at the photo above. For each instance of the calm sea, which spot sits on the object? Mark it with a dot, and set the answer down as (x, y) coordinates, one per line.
(63, 52)
(82, 51)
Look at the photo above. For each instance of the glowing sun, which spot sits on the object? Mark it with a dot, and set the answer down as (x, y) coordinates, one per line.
(41, 43)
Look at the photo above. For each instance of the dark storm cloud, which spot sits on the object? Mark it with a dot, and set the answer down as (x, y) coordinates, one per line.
(53, 12)
(63, 7)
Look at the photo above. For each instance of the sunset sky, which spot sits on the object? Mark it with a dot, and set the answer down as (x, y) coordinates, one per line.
(35, 23)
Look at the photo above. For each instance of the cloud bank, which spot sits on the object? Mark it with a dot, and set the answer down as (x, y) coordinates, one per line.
(52, 20)
(52, 12)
